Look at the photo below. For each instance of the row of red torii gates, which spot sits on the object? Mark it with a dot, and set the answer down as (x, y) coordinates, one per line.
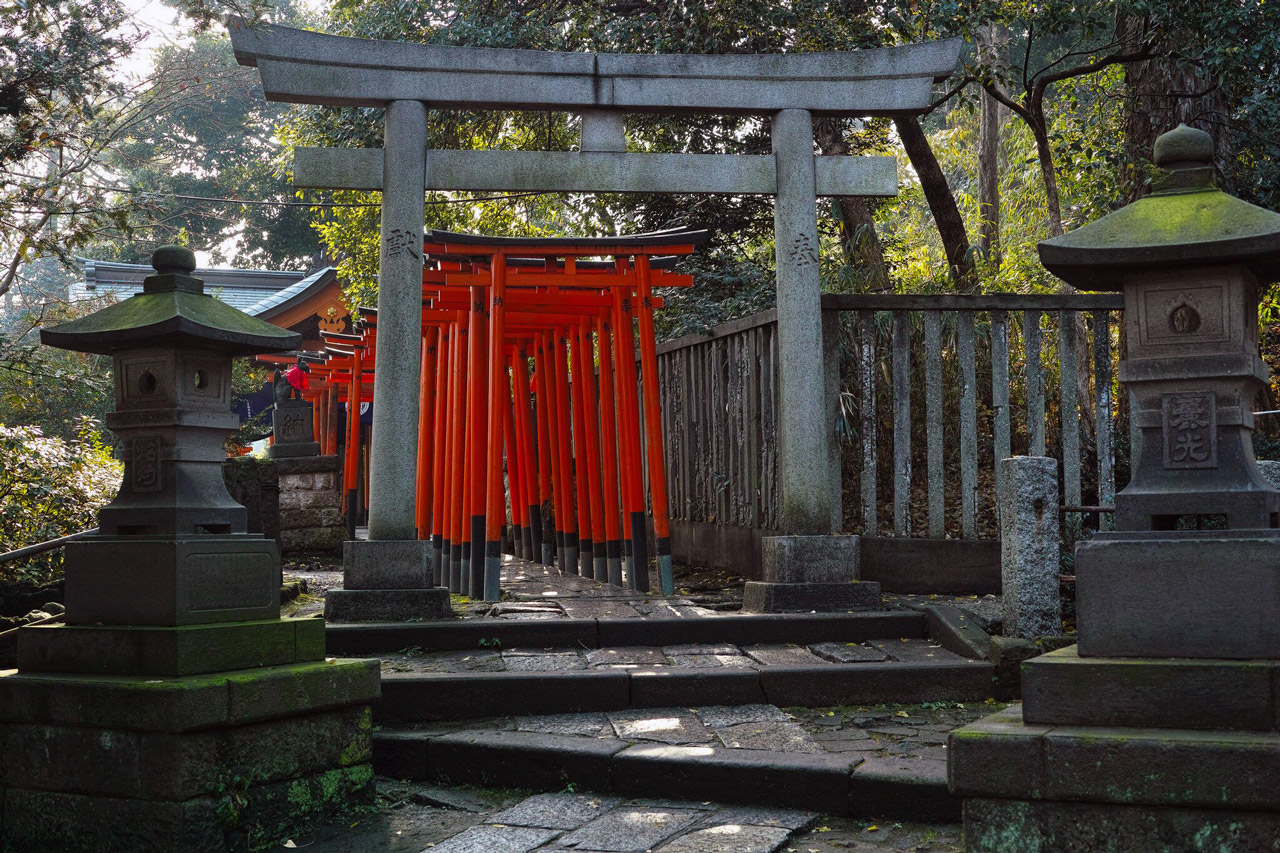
(561, 448)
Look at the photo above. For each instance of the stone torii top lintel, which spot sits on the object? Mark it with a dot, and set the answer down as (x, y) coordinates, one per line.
(298, 66)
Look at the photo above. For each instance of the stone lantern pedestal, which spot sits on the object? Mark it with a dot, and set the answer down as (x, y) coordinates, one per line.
(1160, 729)
(175, 709)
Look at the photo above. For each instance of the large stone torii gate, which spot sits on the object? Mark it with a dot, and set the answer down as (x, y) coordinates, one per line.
(405, 79)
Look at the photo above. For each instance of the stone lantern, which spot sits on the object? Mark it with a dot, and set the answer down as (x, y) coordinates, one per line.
(1160, 729)
(165, 713)
(172, 547)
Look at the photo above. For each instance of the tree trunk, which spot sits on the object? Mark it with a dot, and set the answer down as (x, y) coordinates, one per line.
(993, 48)
(862, 249)
(1164, 93)
(946, 214)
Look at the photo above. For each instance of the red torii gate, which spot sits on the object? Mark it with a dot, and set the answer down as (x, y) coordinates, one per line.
(575, 459)
(547, 294)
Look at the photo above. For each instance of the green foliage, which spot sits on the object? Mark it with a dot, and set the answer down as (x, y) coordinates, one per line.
(216, 143)
(48, 387)
(50, 488)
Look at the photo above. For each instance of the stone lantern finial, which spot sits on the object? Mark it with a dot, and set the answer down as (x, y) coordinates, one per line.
(1184, 147)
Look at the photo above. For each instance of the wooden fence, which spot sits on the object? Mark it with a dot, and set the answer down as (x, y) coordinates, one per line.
(953, 382)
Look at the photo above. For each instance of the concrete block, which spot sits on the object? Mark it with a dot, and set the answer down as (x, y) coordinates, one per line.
(458, 696)
(1164, 767)
(264, 694)
(810, 559)
(1064, 689)
(182, 650)
(163, 766)
(1012, 826)
(665, 688)
(900, 787)
(1131, 595)
(386, 564)
(997, 756)
(522, 760)
(819, 782)
(1029, 558)
(293, 449)
(762, 597)
(187, 703)
(387, 605)
(751, 628)
(134, 580)
(872, 683)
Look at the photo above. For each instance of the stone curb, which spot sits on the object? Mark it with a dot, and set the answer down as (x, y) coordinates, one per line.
(475, 695)
(802, 629)
(834, 784)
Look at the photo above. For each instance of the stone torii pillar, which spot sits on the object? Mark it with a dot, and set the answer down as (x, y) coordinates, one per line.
(389, 575)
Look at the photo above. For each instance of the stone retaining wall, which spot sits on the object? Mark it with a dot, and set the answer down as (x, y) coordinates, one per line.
(296, 501)
(310, 505)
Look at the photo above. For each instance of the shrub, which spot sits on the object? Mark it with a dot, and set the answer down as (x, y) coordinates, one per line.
(50, 488)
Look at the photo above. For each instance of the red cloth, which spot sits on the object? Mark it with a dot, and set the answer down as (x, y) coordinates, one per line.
(297, 377)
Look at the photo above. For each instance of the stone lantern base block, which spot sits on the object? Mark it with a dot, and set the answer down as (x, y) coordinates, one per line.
(1086, 787)
(1062, 687)
(1191, 595)
(210, 763)
(185, 650)
(387, 605)
(192, 580)
(762, 597)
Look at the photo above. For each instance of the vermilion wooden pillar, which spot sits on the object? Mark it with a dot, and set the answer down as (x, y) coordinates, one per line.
(653, 428)
(609, 453)
(499, 400)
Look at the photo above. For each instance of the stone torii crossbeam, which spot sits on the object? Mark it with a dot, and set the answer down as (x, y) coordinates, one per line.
(407, 79)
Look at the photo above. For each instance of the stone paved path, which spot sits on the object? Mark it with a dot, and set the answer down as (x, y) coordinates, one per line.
(916, 733)
(422, 818)
(532, 591)
(698, 656)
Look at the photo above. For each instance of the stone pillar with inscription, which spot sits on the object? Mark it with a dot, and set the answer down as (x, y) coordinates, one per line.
(807, 568)
(1162, 725)
(388, 577)
(165, 714)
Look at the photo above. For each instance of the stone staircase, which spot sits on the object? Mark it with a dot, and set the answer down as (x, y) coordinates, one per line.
(681, 706)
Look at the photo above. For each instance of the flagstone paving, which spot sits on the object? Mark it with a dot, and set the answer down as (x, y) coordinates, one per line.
(713, 655)
(914, 732)
(419, 818)
(535, 592)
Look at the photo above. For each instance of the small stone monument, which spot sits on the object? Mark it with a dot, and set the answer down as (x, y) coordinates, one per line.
(1159, 730)
(175, 709)
(292, 422)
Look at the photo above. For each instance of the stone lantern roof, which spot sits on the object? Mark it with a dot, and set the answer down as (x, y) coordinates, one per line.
(172, 310)
(1185, 221)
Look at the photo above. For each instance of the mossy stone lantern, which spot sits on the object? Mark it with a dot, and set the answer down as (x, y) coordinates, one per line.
(1189, 259)
(1160, 725)
(172, 547)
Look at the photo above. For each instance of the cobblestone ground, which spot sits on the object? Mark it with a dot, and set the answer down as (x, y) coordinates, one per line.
(413, 818)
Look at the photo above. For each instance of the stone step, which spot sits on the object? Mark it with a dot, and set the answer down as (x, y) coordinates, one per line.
(880, 787)
(357, 639)
(432, 696)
